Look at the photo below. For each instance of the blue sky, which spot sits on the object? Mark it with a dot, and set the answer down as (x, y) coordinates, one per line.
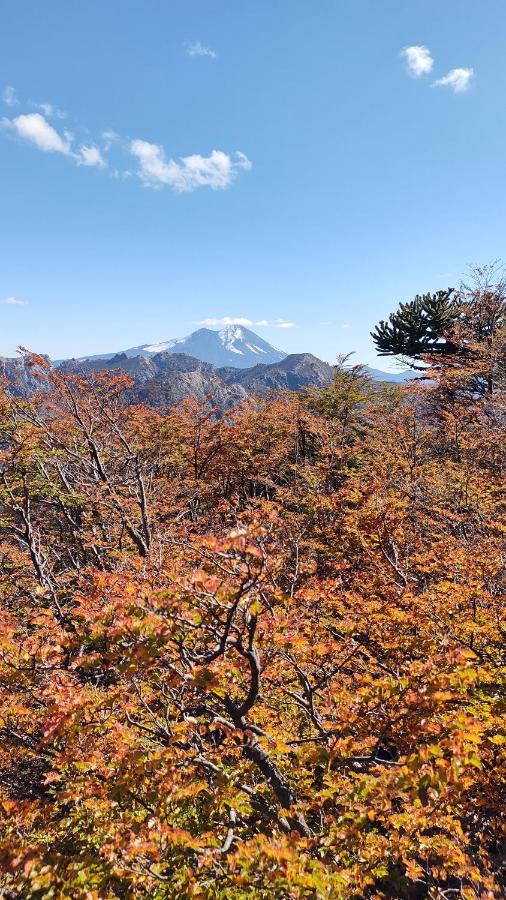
(344, 179)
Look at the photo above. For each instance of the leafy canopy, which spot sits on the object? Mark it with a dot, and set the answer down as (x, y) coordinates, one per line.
(259, 655)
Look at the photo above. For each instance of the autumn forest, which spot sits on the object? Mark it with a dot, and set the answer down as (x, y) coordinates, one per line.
(260, 653)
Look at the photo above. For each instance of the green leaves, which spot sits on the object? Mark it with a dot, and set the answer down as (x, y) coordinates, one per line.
(420, 327)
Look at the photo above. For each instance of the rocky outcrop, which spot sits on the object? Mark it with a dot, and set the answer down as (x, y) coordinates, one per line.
(23, 377)
(172, 387)
(294, 373)
(167, 378)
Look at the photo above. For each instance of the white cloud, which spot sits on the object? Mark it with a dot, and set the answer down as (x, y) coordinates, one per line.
(242, 320)
(50, 111)
(90, 156)
(419, 60)
(109, 137)
(121, 174)
(155, 170)
(242, 161)
(12, 301)
(196, 48)
(458, 79)
(228, 320)
(9, 96)
(34, 128)
(46, 108)
(216, 171)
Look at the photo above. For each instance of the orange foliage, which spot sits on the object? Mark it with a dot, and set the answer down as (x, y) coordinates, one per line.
(252, 656)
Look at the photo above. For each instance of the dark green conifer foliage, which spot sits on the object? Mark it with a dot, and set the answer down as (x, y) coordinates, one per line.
(420, 327)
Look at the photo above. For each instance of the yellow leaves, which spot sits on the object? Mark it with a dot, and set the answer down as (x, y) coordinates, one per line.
(255, 608)
(189, 791)
(374, 569)
(472, 759)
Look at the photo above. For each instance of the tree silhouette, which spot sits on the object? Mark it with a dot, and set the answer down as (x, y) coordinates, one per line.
(421, 327)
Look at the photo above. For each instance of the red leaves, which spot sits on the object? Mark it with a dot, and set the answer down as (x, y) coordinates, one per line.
(312, 640)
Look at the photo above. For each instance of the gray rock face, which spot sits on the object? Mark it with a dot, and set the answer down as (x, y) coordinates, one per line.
(171, 388)
(140, 368)
(167, 378)
(294, 373)
(22, 378)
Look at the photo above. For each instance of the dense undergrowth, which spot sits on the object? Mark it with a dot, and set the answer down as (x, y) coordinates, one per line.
(257, 655)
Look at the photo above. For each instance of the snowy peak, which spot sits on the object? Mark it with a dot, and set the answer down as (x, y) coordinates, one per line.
(231, 346)
(239, 340)
(228, 337)
(242, 342)
(155, 348)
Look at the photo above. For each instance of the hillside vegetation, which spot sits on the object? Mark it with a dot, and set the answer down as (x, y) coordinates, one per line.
(258, 655)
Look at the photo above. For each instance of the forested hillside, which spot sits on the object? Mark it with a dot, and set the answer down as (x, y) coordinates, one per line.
(258, 655)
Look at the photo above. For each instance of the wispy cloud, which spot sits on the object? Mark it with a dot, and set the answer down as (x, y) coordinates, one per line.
(35, 128)
(242, 320)
(457, 79)
(50, 111)
(91, 156)
(418, 60)
(12, 301)
(227, 320)
(216, 171)
(155, 170)
(196, 48)
(109, 137)
(9, 96)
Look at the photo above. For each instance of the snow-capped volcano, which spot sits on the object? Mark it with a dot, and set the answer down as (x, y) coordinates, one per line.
(233, 345)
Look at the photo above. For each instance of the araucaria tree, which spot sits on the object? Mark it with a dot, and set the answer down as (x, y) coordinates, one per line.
(260, 655)
(419, 327)
(448, 325)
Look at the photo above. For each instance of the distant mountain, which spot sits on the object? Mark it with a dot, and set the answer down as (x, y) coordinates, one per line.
(165, 378)
(393, 377)
(231, 346)
(140, 368)
(172, 387)
(293, 373)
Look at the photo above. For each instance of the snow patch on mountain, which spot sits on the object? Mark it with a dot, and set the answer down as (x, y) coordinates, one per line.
(231, 346)
(159, 348)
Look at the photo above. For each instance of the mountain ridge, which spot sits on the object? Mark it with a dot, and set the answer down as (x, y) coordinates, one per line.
(233, 345)
(210, 373)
